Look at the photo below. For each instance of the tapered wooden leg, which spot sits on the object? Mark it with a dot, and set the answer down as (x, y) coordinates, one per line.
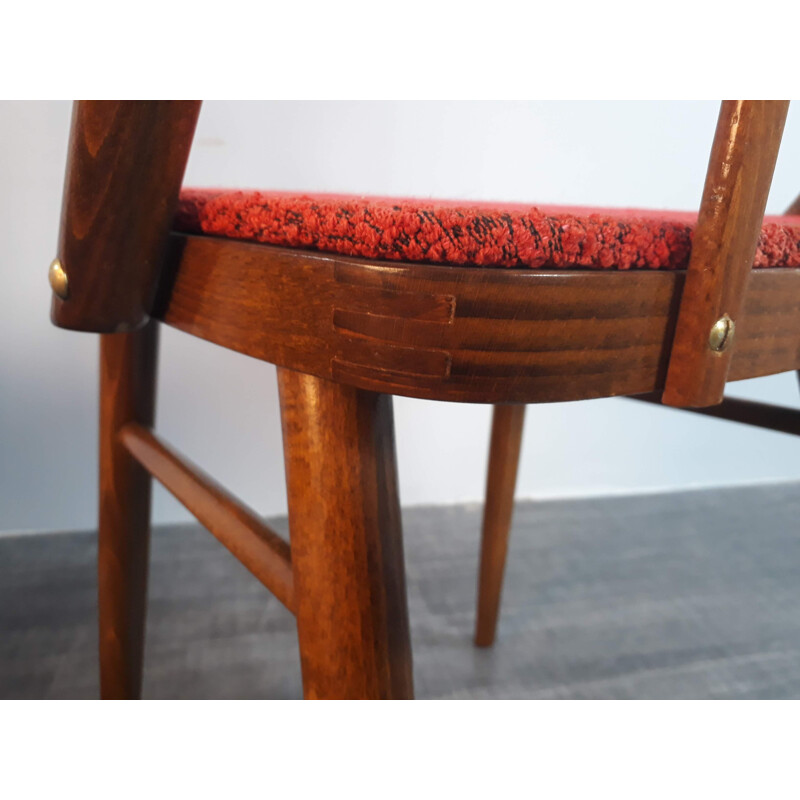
(127, 393)
(507, 423)
(346, 539)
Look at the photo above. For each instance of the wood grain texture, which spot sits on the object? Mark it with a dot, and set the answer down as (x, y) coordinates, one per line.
(454, 333)
(498, 510)
(347, 550)
(127, 394)
(345, 334)
(725, 239)
(237, 527)
(124, 171)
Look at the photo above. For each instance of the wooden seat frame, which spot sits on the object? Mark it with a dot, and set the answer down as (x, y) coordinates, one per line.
(346, 334)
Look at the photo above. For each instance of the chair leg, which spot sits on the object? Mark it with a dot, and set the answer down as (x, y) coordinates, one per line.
(507, 422)
(127, 393)
(346, 539)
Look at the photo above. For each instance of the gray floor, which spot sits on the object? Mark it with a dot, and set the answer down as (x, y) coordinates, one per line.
(692, 595)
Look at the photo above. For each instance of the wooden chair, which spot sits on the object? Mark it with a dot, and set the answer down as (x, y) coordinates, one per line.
(715, 294)
(346, 334)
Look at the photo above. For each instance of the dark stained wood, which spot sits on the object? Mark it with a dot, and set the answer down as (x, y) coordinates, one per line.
(347, 550)
(124, 172)
(345, 334)
(729, 223)
(127, 394)
(237, 527)
(749, 412)
(794, 208)
(504, 455)
(507, 423)
(454, 333)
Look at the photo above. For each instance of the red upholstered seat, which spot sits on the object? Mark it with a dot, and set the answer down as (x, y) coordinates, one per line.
(458, 232)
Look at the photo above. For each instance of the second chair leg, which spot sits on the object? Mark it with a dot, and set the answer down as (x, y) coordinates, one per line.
(127, 394)
(507, 422)
(347, 549)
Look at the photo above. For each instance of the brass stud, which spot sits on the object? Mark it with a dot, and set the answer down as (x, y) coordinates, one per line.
(721, 334)
(58, 279)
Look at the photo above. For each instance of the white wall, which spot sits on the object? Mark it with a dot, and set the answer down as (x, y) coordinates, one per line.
(221, 407)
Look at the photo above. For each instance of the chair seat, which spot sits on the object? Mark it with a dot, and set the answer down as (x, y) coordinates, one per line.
(467, 234)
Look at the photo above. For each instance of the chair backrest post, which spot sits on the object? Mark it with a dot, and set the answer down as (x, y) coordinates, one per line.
(124, 172)
(731, 214)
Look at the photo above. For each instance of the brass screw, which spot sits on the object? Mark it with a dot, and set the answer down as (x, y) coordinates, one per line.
(721, 334)
(58, 279)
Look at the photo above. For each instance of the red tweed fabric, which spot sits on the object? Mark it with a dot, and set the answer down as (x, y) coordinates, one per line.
(453, 232)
